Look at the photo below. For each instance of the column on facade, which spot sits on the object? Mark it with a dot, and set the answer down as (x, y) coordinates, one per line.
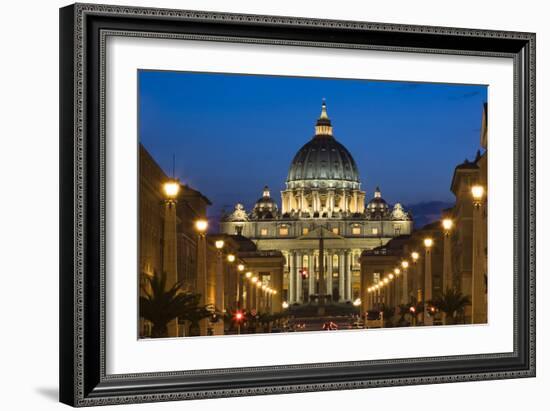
(341, 276)
(329, 255)
(291, 277)
(276, 299)
(300, 266)
(355, 205)
(349, 262)
(344, 201)
(311, 273)
(330, 201)
(318, 199)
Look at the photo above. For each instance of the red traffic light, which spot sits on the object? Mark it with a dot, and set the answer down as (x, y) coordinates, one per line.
(303, 273)
(239, 316)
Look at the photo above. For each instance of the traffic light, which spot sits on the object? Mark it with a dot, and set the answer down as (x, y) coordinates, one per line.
(239, 316)
(303, 273)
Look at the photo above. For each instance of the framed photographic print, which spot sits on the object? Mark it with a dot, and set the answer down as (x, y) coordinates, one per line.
(262, 204)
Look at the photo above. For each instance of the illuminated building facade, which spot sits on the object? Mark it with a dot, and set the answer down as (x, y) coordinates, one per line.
(323, 223)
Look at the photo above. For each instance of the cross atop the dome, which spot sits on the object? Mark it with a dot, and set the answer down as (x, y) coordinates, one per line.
(324, 114)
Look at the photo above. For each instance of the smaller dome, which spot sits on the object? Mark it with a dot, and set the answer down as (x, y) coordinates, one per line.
(377, 206)
(265, 207)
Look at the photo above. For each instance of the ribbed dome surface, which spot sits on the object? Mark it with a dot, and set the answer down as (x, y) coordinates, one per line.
(323, 158)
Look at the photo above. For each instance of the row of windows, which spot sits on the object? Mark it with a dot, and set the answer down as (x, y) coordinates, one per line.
(283, 231)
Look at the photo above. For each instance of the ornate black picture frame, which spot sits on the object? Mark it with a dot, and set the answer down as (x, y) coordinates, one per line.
(83, 29)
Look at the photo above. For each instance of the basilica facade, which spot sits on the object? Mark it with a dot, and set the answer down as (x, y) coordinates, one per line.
(323, 223)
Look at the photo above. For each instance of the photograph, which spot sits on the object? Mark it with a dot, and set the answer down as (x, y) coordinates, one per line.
(286, 204)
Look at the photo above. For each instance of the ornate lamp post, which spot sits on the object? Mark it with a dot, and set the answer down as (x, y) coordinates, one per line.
(428, 243)
(479, 302)
(447, 225)
(405, 280)
(396, 290)
(220, 303)
(171, 190)
(416, 276)
(253, 293)
(201, 226)
(246, 290)
(240, 268)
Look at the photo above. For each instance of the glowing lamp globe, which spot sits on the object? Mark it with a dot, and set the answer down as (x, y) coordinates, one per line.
(201, 225)
(478, 192)
(171, 189)
(447, 224)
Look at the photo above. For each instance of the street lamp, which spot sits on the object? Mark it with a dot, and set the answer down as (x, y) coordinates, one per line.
(171, 189)
(405, 280)
(220, 283)
(285, 305)
(248, 274)
(169, 260)
(397, 271)
(231, 258)
(447, 224)
(477, 193)
(428, 243)
(254, 279)
(201, 226)
(415, 256)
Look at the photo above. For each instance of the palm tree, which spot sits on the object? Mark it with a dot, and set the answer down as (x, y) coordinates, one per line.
(452, 303)
(160, 305)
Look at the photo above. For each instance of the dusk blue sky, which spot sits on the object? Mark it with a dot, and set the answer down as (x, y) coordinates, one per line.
(233, 134)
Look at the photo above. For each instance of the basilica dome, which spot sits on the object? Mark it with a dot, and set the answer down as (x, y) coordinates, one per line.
(323, 161)
(377, 206)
